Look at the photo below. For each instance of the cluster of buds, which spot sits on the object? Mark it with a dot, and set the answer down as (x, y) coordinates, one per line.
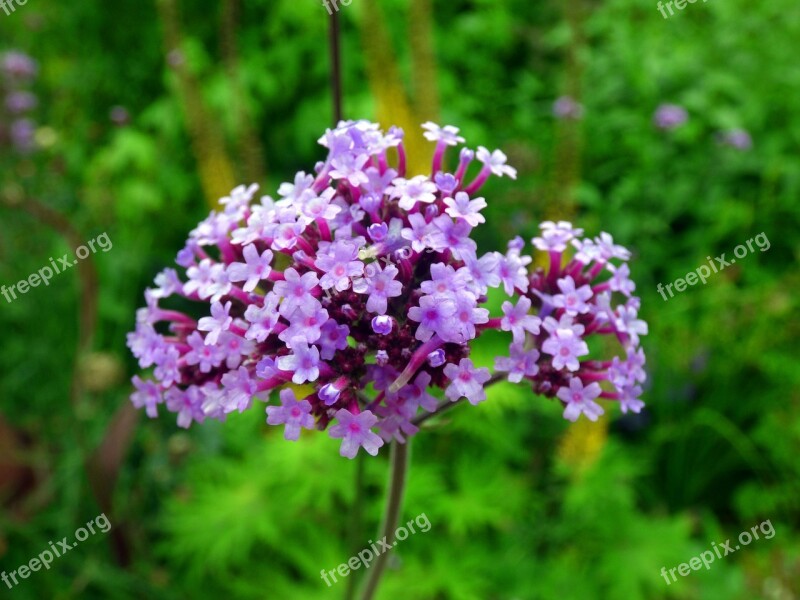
(17, 72)
(358, 293)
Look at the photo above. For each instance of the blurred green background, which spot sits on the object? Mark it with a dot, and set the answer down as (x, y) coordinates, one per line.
(148, 112)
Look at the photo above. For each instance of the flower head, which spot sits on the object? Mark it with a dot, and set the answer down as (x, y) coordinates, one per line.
(362, 277)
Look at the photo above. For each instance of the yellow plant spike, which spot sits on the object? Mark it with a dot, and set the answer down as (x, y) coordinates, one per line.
(581, 445)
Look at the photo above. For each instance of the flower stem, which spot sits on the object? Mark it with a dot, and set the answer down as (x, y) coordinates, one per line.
(355, 540)
(398, 459)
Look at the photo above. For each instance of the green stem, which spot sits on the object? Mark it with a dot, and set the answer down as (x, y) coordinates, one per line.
(397, 483)
(356, 538)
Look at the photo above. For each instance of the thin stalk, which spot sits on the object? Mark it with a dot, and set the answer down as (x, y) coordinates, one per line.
(398, 459)
(336, 66)
(356, 540)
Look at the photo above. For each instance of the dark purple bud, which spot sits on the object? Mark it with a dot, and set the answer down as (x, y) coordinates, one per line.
(436, 358)
(119, 115)
(348, 311)
(431, 212)
(329, 393)
(382, 324)
(446, 183)
(378, 231)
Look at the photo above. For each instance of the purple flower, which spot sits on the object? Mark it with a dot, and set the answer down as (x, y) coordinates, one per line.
(411, 191)
(566, 107)
(19, 66)
(207, 280)
(303, 362)
(238, 390)
(206, 356)
(120, 116)
(627, 321)
(467, 315)
(147, 395)
(453, 236)
(380, 285)
(354, 430)
(447, 135)
(263, 320)
(736, 138)
(432, 315)
(555, 236)
(513, 272)
(187, 404)
(339, 264)
(495, 162)
(293, 414)
(444, 279)
(333, 337)
(378, 288)
(467, 381)
(296, 291)
(565, 347)
(22, 135)
(382, 325)
(254, 269)
(670, 116)
(20, 102)
(629, 399)
(620, 280)
(219, 321)
(419, 232)
(517, 319)
(580, 399)
(461, 207)
(521, 363)
(572, 300)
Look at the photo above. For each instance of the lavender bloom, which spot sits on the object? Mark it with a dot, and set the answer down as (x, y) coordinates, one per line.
(566, 107)
(380, 286)
(254, 269)
(519, 364)
(463, 208)
(20, 102)
(18, 66)
(147, 395)
(736, 138)
(304, 362)
(339, 265)
(22, 135)
(580, 399)
(355, 433)
(572, 300)
(119, 115)
(467, 381)
(670, 116)
(566, 347)
(518, 321)
(293, 414)
(411, 191)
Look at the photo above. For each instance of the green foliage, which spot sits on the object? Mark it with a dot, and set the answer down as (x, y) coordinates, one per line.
(232, 510)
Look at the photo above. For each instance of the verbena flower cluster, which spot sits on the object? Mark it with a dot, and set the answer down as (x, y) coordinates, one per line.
(17, 72)
(364, 285)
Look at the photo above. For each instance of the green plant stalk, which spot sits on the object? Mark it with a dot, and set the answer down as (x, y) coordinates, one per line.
(398, 459)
